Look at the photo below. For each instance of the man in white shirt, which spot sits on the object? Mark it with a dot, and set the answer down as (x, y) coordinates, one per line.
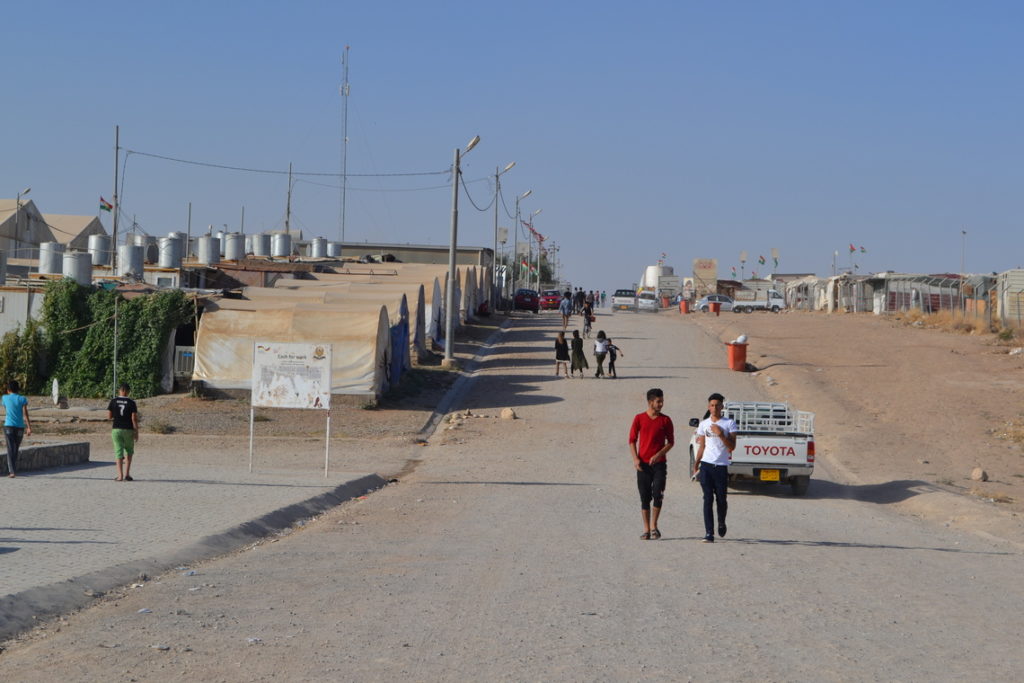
(716, 439)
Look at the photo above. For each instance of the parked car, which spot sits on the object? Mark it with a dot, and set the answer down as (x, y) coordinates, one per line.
(526, 300)
(704, 305)
(647, 301)
(550, 299)
(624, 300)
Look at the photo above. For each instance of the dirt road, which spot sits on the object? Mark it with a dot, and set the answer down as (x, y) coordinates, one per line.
(512, 552)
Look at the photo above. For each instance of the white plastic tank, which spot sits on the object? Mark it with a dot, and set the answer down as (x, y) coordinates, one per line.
(130, 259)
(50, 258)
(150, 252)
(77, 265)
(334, 250)
(261, 244)
(99, 249)
(652, 275)
(207, 250)
(234, 246)
(170, 252)
(248, 244)
(220, 235)
(318, 248)
(281, 245)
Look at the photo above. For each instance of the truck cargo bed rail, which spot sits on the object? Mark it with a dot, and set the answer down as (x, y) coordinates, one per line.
(773, 418)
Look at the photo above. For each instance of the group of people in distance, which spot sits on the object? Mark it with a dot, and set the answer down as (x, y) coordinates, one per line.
(579, 297)
(569, 358)
(652, 436)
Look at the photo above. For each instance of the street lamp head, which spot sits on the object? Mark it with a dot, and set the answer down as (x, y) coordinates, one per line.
(25, 191)
(536, 212)
(509, 167)
(526, 194)
(472, 144)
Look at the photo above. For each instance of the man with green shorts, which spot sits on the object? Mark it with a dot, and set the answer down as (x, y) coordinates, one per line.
(125, 414)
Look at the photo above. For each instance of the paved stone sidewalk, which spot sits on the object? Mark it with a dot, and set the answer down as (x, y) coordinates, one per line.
(65, 533)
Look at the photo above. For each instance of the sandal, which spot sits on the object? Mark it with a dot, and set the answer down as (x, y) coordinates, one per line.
(655, 534)
(645, 536)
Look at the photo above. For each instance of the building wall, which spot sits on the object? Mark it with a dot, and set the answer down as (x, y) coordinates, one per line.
(17, 305)
(418, 253)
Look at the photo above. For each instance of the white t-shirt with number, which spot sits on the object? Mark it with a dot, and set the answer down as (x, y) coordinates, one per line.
(715, 450)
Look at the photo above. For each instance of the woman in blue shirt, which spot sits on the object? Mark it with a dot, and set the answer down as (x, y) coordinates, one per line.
(16, 424)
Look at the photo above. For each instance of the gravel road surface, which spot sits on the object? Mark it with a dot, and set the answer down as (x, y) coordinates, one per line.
(512, 552)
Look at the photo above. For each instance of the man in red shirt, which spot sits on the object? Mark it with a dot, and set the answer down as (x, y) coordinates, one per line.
(650, 439)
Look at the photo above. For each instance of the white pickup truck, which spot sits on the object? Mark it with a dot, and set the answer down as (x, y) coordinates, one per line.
(774, 443)
(748, 301)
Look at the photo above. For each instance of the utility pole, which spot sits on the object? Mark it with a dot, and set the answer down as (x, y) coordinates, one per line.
(117, 211)
(450, 303)
(494, 254)
(241, 225)
(288, 203)
(188, 233)
(344, 139)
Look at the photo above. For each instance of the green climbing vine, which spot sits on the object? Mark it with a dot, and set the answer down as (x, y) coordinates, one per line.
(74, 340)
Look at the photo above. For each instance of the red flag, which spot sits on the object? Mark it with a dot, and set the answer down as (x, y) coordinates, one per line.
(852, 248)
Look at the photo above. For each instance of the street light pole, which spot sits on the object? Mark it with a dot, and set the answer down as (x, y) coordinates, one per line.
(536, 235)
(963, 258)
(449, 323)
(494, 254)
(515, 248)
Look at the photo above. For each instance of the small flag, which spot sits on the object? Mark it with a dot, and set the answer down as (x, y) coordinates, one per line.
(105, 205)
(852, 248)
(863, 250)
(753, 274)
(734, 271)
(760, 259)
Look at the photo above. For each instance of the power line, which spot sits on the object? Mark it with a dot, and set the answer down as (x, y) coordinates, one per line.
(470, 198)
(244, 169)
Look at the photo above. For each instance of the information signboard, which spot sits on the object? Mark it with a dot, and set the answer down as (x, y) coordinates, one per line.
(291, 375)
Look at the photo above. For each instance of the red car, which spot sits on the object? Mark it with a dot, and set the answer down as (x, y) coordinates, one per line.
(550, 300)
(526, 300)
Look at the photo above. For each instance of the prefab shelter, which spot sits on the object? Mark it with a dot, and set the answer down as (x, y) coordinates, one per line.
(360, 340)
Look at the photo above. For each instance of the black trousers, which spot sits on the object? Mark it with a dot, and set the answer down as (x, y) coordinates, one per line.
(13, 435)
(650, 480)
(713, 479)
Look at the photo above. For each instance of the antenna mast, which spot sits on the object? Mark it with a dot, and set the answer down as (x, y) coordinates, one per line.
(344, 139)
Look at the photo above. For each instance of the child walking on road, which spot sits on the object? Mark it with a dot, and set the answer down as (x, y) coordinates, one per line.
(125, 432)
(613, 354)
(651, 437)
(600, 352)
(561, 354)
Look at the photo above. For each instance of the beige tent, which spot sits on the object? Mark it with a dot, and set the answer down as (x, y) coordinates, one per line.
(360, 341)
(345, 297)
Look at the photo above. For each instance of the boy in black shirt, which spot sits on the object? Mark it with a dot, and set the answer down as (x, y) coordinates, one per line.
(125, 414)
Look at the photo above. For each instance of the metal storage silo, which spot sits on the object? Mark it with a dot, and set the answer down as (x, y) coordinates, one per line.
(77, 265)
(99, 249)
(234, 246)
(281, 245)
(220, 236)
(130, 259)
(50, 258)
(170, 252)
(208, 250)
(334, 250)
(261, 244)
(248, 244)
(318, 248)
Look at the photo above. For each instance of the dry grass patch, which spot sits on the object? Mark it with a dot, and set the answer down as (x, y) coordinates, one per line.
(950, 321)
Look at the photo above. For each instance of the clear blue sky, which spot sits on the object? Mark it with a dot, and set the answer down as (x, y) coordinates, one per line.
(698, 129)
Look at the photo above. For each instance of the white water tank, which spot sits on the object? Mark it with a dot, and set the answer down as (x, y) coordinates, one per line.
(261, 244)
(170, 252)
(318, 248)
(334, 250)
(652, 275)
(220, 235)
(99, 249)
(150, 252)
(130, 259)
(77, 265)
(248, 244)
(234, 246)
(281, 245)
(50, 258)
(207, 250)
(182, 239)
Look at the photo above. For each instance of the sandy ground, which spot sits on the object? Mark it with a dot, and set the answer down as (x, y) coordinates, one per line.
(509, 549)
(904, 412)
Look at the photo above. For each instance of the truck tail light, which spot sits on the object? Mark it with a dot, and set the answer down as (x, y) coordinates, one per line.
(810, 451)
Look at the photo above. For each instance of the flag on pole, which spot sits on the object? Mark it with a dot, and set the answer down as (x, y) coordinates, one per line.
(753, 274)
(734, 271)
(105, 205)
(852, 248)
(863, 250)
(760, 259)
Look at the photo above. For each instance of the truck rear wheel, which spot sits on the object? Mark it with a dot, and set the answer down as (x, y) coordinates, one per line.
(775, 309)
(800, 484)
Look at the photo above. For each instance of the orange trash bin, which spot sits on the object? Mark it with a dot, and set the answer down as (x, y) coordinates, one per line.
(716, 307)
(737, 357)
(665, 302)
(684, 306)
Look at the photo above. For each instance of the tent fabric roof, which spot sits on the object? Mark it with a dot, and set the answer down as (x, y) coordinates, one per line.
(66, 228)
